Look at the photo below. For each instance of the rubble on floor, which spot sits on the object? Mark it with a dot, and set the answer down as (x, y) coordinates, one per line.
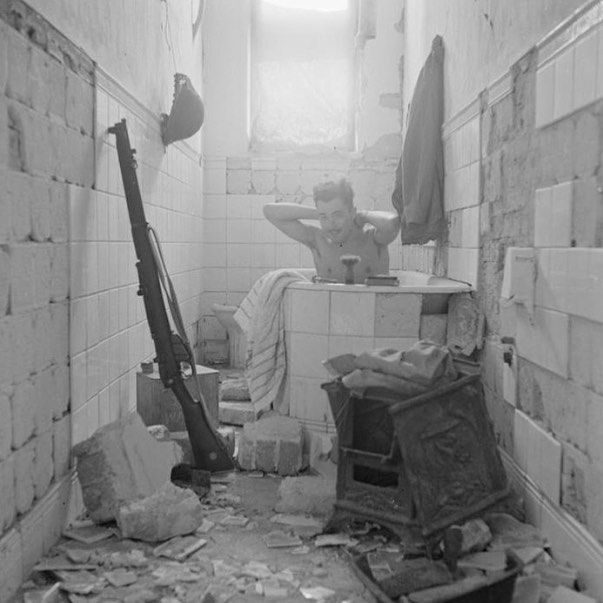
(239, 550)
(237, 553)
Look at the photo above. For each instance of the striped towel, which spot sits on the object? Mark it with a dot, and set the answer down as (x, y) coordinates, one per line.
(261, 316)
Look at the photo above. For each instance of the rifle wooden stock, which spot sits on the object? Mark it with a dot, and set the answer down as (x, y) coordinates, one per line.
(209, 449)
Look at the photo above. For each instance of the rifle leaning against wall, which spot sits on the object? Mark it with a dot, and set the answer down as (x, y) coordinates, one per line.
(173, 349)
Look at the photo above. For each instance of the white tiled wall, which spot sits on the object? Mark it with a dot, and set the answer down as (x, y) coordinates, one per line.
(553, 216)
(239, 244)
(538, 453)
(571, 77)
(462, 199)
(109, 335)
(321, 323)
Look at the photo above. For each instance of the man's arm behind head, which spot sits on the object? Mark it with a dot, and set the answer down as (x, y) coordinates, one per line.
(287, 218)
(387, 224)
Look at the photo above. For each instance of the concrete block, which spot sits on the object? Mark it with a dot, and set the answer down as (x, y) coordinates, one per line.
(274, 443)
(7, 488)
(44, 464)
(169, 512)
(233, 390)
(158, 406)
(24, 477)
(266, 456)
(120, 463)
(236, 413)
(61, 446)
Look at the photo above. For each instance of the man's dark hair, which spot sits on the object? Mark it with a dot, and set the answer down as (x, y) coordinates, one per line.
(327, 191)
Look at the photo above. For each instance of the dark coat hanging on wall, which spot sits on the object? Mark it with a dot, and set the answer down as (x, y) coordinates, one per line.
(419, 191)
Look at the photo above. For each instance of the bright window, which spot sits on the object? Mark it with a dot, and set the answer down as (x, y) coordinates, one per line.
(302, 76)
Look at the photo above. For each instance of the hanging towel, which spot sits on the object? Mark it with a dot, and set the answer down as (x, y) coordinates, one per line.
(261, 316)
(419, 190)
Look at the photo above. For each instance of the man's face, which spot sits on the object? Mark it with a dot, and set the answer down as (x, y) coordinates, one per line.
(336, 219)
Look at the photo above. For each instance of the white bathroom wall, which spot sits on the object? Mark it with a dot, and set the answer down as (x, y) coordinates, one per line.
(239, 244)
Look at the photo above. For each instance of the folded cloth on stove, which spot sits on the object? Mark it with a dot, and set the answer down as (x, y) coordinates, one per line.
(261, 317)
(412, 372)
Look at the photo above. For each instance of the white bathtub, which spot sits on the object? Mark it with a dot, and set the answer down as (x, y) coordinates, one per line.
(324, 320)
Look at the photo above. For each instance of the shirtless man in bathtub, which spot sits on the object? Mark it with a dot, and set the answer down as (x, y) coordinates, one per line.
(344, 230)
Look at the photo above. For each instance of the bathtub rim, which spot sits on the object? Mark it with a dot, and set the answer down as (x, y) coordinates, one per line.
(431, 284)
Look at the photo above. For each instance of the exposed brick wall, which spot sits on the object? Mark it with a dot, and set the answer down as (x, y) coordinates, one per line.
(565, 398)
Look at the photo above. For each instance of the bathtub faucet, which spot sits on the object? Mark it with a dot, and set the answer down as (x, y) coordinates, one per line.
(349, 261)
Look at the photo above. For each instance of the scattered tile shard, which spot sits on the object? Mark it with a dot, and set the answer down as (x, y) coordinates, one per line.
(179, 548)
(88, 533)
(528, 554)
(121, 577)
(335, 540)
(316, 593)
(489, 561)
(234, 520)
(562, 594)
(46, 595)
(280, 539)
(60, 563)
(205, 526)
(170, 512)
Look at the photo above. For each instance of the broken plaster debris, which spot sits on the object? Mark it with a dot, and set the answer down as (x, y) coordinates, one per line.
(169, 512)
(296, 567)
(121, 462)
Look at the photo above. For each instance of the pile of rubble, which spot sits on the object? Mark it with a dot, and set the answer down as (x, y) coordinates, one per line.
(498, 557)
(254, 536)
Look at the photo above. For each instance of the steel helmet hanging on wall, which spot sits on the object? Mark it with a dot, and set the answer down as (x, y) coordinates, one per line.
(186, 116)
